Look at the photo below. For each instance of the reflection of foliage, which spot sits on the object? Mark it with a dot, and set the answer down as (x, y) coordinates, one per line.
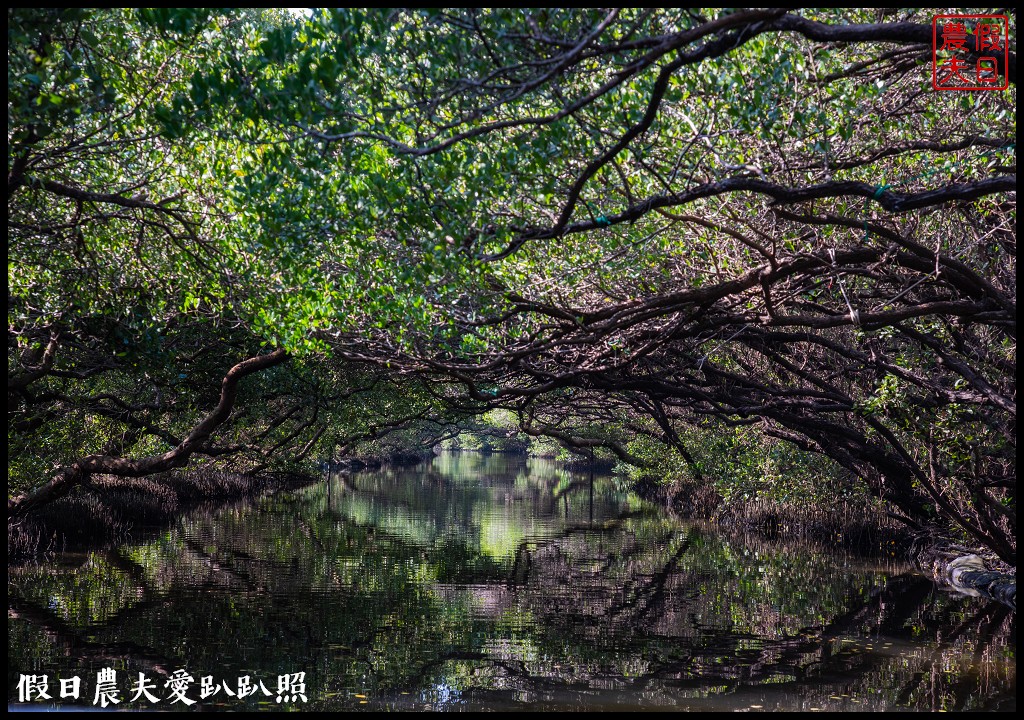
(381, 586)
(97, 591)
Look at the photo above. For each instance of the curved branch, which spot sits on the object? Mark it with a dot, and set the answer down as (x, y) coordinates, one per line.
(104, 464)
(781, 195)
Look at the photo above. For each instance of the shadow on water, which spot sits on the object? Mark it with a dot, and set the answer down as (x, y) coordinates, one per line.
(491, 583)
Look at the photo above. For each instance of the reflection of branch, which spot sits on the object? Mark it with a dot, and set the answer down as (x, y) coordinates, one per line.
(986, 619)
(571, 488)
(524, 551)
(83, 650)
(308, 531)
(886, 611)
(234, 575)
(654, 589)
(129, 567)
(421, 675)
(137, 574)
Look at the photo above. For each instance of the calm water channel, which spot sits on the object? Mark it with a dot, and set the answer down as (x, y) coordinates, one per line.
(490, 582)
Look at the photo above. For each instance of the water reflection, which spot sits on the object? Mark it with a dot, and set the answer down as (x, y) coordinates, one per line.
(477, 582)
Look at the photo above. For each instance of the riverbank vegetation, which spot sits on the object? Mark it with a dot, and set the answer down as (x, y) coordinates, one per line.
(751, 249)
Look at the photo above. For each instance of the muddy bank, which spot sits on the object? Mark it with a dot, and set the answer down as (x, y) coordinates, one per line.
(113, 510)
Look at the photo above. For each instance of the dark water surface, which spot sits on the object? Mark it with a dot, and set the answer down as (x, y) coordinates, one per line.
(489, 582)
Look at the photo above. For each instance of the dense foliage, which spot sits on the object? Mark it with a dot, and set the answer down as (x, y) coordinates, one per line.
(621, 227)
